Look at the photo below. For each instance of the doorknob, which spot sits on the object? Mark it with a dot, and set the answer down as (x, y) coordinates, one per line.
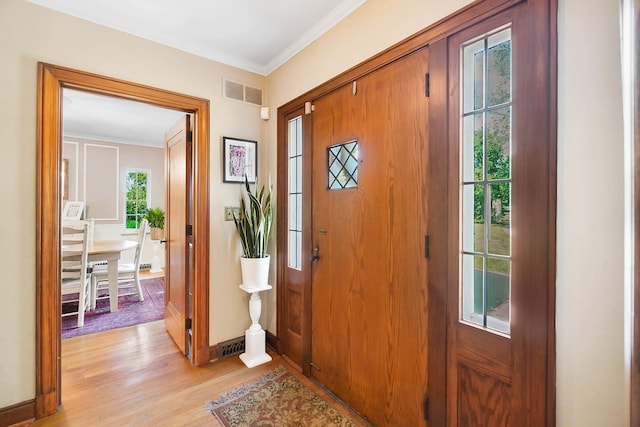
(315, 255)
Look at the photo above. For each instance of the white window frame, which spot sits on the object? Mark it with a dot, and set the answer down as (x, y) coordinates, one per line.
(126, 172)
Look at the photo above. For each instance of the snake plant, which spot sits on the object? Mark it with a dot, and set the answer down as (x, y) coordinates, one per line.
(253, 221)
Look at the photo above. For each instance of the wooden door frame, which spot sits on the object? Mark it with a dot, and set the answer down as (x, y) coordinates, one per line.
(439, 244)
(51, 80)
(468, 15)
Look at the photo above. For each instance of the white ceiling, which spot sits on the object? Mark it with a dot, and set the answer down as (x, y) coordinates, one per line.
(106, 118)
(255, 35)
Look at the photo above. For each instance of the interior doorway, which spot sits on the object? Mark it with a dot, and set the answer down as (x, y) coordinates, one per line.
(113, 160)
(51, 80)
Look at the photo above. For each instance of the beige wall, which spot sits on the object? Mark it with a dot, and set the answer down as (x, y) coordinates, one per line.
(129, 157)
(591, 358)
(592, 389)
(29, 34)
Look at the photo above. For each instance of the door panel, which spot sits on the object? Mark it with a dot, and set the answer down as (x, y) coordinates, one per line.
(369, 298)
(498, 355)
(295, 243)
(177, 265)
(480, 363)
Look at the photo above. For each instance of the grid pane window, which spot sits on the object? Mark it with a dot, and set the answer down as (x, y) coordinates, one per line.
(486, 182)
(136, 190)
(295, 193)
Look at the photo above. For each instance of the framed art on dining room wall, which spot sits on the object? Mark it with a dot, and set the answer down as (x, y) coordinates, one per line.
(240, 158)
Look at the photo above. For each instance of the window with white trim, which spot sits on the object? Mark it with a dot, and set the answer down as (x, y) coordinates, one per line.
(486, 182)
(136, 196)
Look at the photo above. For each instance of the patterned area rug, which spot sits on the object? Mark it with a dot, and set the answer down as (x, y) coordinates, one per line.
(277, 399)
(130, 312)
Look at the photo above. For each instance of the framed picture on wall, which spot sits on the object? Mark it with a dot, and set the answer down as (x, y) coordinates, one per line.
(240, 157)
(72, 211)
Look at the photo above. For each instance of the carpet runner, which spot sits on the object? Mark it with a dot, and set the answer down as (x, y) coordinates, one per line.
(276, 399)
(130, 312)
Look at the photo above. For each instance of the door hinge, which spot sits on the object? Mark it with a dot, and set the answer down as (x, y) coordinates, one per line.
(189, 230)
(425, 408)
(426, 85)
(426, 246)
(187, 323)
(189, 135)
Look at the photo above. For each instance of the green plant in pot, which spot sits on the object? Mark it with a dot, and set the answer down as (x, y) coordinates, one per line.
(253, 223)
(155, 217)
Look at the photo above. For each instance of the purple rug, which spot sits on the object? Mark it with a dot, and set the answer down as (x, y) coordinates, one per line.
(130, 311)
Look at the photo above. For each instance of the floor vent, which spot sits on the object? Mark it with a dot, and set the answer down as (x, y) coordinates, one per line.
(230, 348)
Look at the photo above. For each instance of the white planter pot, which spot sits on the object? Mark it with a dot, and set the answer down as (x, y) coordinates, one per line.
(255, 272)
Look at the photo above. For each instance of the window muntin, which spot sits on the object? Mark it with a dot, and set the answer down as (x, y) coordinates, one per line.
(136, 197)
(295, 193)
(486, 182)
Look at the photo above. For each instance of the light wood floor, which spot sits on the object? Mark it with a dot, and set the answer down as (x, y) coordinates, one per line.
(136, 376)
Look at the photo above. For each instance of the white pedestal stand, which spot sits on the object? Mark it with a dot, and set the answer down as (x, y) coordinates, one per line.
(254, 345)
(156, 266)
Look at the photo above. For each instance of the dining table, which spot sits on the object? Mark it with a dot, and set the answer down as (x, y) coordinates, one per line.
(109, 251)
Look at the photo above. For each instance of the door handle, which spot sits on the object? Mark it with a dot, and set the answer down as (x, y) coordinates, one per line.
(315, 254)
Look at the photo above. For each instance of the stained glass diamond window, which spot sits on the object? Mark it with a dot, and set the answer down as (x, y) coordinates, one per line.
(343, 165)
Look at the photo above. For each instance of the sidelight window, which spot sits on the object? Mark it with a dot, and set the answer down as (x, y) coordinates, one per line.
(486, 182)
(295, 193)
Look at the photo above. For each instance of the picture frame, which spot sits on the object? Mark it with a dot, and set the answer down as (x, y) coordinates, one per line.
(72, 211)
(240, 157)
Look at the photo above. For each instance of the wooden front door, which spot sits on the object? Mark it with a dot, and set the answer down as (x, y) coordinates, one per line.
(177, 234)
(369, 220)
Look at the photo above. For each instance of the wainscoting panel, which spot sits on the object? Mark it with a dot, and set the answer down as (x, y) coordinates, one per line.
(101, 181)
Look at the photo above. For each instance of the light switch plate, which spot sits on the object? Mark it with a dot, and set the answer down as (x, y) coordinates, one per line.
(229, 211)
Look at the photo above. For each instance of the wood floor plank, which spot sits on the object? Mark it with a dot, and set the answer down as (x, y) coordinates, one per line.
(136, 376)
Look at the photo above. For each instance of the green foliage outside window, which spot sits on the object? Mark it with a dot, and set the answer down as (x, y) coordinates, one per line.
(498, 167)
(497, 135)
(136, 198)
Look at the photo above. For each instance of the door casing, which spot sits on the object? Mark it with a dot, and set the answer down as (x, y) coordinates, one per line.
(51, 80)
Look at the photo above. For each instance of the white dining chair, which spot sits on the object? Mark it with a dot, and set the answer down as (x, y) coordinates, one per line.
(75, 277)
(128, 273)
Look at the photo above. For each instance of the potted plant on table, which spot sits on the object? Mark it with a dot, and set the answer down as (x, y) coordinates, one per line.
(253, 223)
(155, 217)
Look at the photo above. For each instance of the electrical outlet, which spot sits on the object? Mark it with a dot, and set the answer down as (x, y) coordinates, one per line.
(229, 211)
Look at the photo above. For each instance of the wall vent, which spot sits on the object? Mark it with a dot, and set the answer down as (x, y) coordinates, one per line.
(240, 92)
(230, 348)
